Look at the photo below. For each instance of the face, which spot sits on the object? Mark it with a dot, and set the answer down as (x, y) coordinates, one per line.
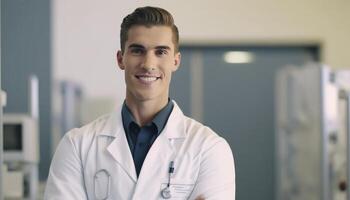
(148, 60)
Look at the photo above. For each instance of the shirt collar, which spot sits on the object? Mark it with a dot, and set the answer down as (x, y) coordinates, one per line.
(127, 117)
(159, 120)
(162, 116)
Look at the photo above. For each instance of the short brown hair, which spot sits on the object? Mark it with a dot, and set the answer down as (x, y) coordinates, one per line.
(148, 16)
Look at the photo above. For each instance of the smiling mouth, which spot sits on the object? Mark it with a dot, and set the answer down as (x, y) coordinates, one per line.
(147, 79)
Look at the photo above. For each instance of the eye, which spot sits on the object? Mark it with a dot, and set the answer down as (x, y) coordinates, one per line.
(137, 51)
(161, 52)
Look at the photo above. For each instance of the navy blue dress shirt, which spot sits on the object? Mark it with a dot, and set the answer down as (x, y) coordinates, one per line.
(140, 139)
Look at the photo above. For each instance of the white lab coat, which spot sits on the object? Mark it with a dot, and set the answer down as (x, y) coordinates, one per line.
(203, 163)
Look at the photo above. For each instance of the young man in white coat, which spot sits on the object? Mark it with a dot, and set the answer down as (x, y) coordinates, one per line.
(146, 149)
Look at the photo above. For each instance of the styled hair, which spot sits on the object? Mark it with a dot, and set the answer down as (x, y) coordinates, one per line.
(148, 16)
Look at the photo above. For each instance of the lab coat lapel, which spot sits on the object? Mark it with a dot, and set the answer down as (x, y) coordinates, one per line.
(158, 156)
(119, 147)
(164, 147)
(163, 150)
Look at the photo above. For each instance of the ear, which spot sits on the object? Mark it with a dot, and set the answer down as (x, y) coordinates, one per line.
(177, 61)
(120, 60)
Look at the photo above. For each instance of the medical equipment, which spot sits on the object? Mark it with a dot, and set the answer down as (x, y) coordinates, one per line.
(3, 98)
(14, 184)
(166, 194)
(20, 138)
(312, 153)
(21, 147)
(2, 166)
(71, 94)
(21, 152)
(67, 109)
(103, 178)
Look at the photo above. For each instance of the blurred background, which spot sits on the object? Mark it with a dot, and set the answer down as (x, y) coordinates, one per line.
(269, 76)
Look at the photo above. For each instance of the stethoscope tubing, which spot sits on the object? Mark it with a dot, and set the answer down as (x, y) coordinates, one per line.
(106, 196)
(165, 193)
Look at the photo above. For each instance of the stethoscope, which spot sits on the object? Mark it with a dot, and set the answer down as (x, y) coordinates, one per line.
(102, 175)
(166, 193)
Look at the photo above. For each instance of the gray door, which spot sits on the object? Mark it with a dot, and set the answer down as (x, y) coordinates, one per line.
(237, 101)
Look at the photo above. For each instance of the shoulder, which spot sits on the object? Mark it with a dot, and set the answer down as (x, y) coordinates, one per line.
(193, 128)
(203, 138)
(89, 129)
(84, 136)
(213, 158)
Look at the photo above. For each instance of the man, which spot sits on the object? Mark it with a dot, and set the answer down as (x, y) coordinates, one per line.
(147, 149)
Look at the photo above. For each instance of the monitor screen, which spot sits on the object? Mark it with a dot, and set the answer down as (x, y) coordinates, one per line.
(13, 137)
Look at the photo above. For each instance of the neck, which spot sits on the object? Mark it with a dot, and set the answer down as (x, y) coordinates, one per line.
(145, 111)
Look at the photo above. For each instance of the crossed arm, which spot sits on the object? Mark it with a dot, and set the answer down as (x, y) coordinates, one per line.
(216, 178)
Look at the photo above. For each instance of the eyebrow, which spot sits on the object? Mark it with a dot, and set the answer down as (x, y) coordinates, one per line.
(163, 47)
(136, 46)
(142, 47)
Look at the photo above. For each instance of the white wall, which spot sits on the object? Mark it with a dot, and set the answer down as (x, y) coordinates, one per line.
(85, 41)
(267, 21)
(86, 32)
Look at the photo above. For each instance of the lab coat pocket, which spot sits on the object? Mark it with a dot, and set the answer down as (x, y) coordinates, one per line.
(179, 189)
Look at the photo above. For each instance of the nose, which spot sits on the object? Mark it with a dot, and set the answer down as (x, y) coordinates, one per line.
(149, 62)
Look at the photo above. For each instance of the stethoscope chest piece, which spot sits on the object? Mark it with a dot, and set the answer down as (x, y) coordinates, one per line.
(166, 193)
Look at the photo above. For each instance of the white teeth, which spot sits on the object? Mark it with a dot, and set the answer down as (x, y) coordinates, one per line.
(148, 79)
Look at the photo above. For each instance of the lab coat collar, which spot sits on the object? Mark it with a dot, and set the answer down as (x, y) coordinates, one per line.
(119, 147)
(173, 129)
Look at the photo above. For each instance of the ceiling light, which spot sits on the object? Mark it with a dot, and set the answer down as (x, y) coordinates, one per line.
(238, 57)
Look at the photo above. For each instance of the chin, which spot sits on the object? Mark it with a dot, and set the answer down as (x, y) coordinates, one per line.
(145, 97)
(142, 95)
